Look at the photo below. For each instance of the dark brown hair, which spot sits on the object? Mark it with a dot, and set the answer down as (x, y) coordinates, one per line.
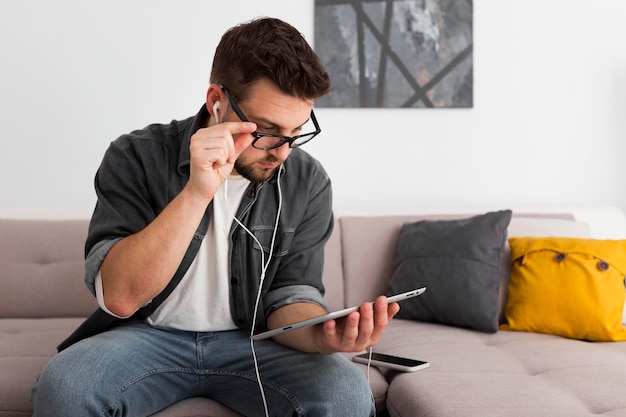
(272, 49)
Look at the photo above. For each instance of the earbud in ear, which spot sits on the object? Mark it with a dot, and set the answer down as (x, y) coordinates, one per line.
(216, 106)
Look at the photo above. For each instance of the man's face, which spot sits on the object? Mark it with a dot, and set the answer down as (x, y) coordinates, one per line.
(273, 112)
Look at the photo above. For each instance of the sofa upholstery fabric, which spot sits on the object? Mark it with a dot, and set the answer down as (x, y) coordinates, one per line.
(43, 299)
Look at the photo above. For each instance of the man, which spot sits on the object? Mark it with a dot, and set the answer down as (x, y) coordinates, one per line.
(228, 211)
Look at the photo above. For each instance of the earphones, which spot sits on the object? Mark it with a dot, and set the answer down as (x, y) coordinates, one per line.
(215, 107)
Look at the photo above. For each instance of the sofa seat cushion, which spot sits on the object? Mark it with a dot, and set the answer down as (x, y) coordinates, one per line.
(26, 346)
(197, 407)
(505, 373)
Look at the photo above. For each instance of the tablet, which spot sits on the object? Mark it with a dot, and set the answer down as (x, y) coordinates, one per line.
(332, 316)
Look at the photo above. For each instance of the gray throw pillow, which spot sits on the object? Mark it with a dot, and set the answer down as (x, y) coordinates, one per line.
(460, 262)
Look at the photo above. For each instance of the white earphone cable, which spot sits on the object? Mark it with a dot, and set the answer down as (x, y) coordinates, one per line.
(264, 266)
(369, 366)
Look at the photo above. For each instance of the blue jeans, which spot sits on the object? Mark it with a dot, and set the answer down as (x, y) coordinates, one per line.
(136, 370)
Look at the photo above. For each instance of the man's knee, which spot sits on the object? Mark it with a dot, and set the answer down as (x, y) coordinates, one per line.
(65, 382)
(345, 390)
(52, 389)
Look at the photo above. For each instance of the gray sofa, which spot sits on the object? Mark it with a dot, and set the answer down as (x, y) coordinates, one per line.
(472, 373)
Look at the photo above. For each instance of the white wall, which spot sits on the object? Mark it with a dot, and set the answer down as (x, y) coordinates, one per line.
(547, 125)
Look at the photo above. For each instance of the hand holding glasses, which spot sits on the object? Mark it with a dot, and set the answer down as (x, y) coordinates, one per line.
(267, 141)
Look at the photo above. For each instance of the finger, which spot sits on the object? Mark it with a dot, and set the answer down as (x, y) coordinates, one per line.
(366, 322)
(209, 142)
(330, 329)
(381, 309)
(350, 331)
(239, 127)
(392, 310)
(242, 141)
(240, 132)
(327, 336)
(381, 317)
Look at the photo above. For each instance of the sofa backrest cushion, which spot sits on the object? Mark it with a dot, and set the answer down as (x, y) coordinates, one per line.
(333, 270)
(370, 244)
(42, 261)
(369, 247)
(42, 269)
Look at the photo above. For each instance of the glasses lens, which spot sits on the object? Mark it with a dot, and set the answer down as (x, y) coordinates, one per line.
(303, 139)
(267, 142)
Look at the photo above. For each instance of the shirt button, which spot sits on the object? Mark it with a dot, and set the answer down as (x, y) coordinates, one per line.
(560, 257)
(603, 265)
(234, 281)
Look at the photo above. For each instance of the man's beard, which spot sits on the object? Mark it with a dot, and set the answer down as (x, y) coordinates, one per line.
(255, 175)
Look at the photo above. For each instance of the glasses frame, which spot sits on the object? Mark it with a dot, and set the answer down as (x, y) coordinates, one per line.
(258, 135)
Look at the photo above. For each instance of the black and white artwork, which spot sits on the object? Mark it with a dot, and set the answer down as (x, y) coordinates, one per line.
(396, 53)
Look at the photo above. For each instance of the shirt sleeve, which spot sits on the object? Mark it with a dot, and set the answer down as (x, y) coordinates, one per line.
(100, 297)
(119, 208)
(93, 261)
(132, 188)
(298, 277)
(295, 294)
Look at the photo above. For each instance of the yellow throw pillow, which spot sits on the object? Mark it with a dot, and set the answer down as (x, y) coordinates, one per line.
(567, 287)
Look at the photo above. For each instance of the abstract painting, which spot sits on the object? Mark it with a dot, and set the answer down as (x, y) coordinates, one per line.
(396, 53)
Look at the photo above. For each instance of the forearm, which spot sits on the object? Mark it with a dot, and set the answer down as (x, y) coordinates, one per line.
(353, 333)
(302, 339)
(139, 266)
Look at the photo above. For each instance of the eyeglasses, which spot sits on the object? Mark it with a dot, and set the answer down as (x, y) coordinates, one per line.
(267, 141)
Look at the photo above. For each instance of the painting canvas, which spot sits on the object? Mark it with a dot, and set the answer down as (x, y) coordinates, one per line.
(414, 54)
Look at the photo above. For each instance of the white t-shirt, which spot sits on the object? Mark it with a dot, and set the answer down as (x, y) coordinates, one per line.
(201, 301)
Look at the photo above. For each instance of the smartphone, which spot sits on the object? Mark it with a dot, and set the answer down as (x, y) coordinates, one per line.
(393, 362)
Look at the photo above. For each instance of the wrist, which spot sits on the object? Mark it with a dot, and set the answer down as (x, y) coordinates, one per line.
(194, 199)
